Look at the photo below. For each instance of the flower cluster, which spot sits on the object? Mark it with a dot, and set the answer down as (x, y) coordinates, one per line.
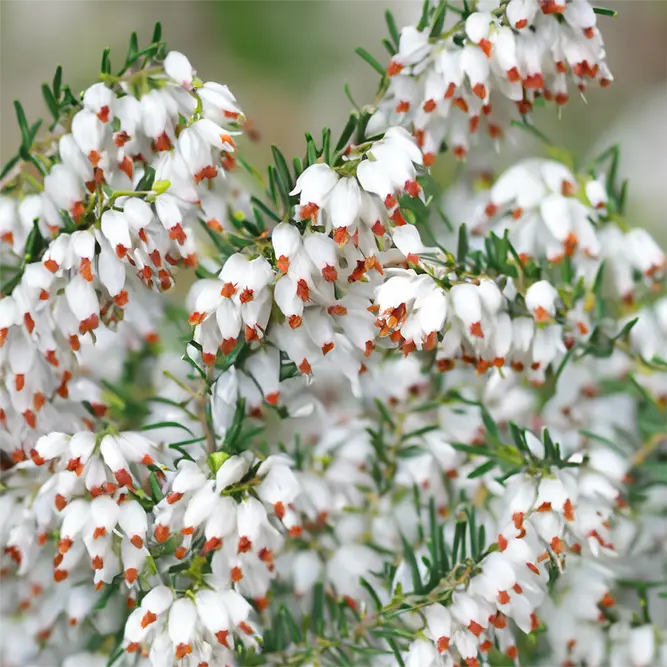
(321, 281)
(550, 215)
(125, 187)
(447, 81)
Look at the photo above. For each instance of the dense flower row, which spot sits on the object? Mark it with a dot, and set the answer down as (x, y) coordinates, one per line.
(342, 300)
(446, 82)
(552, 216)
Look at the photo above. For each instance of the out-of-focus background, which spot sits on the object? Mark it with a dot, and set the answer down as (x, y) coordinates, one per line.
(287, 62)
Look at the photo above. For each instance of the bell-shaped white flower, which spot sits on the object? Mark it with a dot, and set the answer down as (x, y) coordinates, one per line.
(178, 68)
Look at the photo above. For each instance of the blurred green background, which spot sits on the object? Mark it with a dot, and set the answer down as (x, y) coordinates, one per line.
(287, 62)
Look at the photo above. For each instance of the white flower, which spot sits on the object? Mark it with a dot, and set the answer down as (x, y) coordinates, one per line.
(116, 231)
(214, 616)
(322, 251)
(155, 118)
(313, 186)
(64, 188)
(439, 625)
(541, 300)
(306, 570)
(389, 166)
(182, 622)
(413, 46)
(74, 159)
(231, 471)
(197, 155)
(178, 68)
(280, 487)
(642, 645)
(286, 242)
(422, 654)
(100, 99)
(218, 103)
(157, 600)
(344, 202)
(214, 135)
(132, 520)
(466, 304)
(90, 134)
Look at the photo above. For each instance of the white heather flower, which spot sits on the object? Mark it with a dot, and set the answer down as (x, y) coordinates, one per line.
(313, 186)
(132, 520)
(74, 159)
(541, 300)
(596, 193)
(478, 26)
(642, 645)
(466, 610)
(178, 68)
(188, 478)
(406, 238)
(439, 625)
(231, 471)
(218, 103)
(306, 571)
(646, 254)
(214, 135)
(182, 622)
(82, 299)
(467, 305)
(413, 46)
(214, 616)
(64, 188)
(116, 231)
(155, 118)
(286, 241)
(100, 99)
(279, 487)
(90, 134)
(157, 601)
(521, 13)
(322, 251)
(196, 154)
(389, 166)
(475, 65)
(344, 202)
(422, 654)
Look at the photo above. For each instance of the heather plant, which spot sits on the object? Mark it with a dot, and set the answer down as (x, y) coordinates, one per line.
(396, 421)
